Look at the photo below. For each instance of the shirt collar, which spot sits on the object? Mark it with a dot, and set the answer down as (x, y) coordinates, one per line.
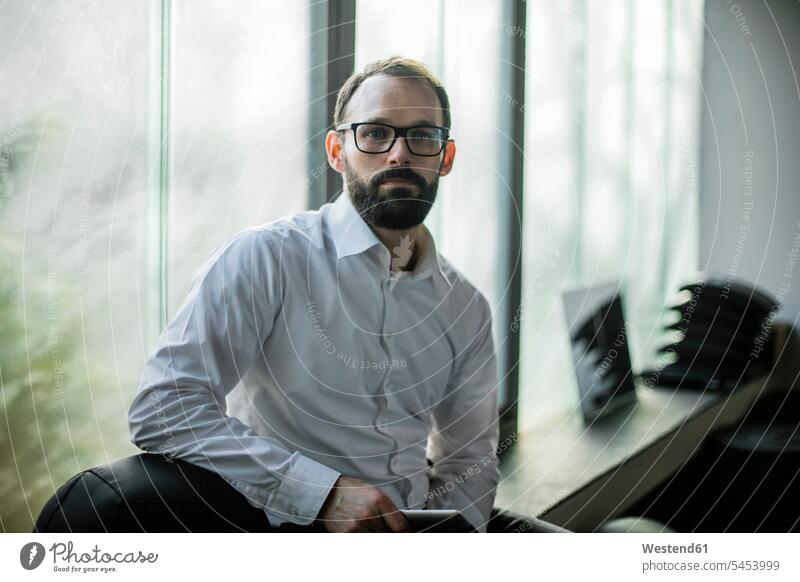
(430, 263)
(352, 235)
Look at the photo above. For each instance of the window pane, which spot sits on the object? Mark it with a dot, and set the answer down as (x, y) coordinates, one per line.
(412, 30)
(462, 46)
(612, 93)
(238, 124)
(552, 201)
(76, 153)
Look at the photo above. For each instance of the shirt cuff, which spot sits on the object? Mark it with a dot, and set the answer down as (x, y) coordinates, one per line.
(457, 499)
(469, 510)
(301, 493)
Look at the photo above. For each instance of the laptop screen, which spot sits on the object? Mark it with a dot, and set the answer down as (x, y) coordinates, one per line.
(599, 341)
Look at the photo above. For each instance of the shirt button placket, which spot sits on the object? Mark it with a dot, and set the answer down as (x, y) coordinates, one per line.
(386, 386)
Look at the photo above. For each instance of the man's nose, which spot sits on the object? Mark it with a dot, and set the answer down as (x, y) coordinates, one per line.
(399, 154)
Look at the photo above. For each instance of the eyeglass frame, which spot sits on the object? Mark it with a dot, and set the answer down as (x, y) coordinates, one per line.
(398, 132)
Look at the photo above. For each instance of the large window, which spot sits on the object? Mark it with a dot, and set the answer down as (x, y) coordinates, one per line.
(137, 136)
(76, 151)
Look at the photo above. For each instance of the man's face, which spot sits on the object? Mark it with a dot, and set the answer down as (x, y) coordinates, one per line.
(395, 189)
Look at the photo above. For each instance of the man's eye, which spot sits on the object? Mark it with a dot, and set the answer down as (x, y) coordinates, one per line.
(422, 134)
(376, 133)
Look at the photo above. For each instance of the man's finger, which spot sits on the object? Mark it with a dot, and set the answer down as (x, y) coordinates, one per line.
(376, 524)
(392, 516)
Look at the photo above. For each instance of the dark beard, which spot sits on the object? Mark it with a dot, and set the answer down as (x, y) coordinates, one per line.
(399, 208)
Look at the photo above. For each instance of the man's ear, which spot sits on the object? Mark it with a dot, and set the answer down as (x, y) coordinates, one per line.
(449, 157)
(335, 150)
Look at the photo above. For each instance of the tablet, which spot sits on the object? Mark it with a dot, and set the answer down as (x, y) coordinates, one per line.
(436, 521)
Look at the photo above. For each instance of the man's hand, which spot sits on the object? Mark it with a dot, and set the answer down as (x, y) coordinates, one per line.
(356, 506)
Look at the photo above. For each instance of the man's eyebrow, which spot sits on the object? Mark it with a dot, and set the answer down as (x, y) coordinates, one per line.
(413, 124)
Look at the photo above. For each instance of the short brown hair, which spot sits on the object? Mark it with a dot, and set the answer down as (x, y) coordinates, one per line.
(394, 66)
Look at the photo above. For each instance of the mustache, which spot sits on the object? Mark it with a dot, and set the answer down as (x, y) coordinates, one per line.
(398, 174)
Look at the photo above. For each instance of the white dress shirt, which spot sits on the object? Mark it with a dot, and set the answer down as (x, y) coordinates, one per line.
(299, 355)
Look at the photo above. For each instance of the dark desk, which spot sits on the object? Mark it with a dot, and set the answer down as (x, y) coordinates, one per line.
(578, 477)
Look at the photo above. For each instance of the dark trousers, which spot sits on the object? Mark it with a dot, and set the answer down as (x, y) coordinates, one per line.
(149, 493)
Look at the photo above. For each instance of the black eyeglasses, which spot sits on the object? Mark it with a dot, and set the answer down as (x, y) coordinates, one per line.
(379, 138)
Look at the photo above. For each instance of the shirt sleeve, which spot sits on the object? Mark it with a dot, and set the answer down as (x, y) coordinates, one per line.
(465, 431)
(180, 409)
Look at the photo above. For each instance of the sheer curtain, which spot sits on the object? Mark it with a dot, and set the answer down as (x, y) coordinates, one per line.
(613, 96)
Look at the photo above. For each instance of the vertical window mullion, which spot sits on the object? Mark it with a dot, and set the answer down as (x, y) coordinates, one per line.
(319, 119)
(579, 96)
(164, 164)
(339, 65)
(512, 245)
(156, 221)
(666, 241)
